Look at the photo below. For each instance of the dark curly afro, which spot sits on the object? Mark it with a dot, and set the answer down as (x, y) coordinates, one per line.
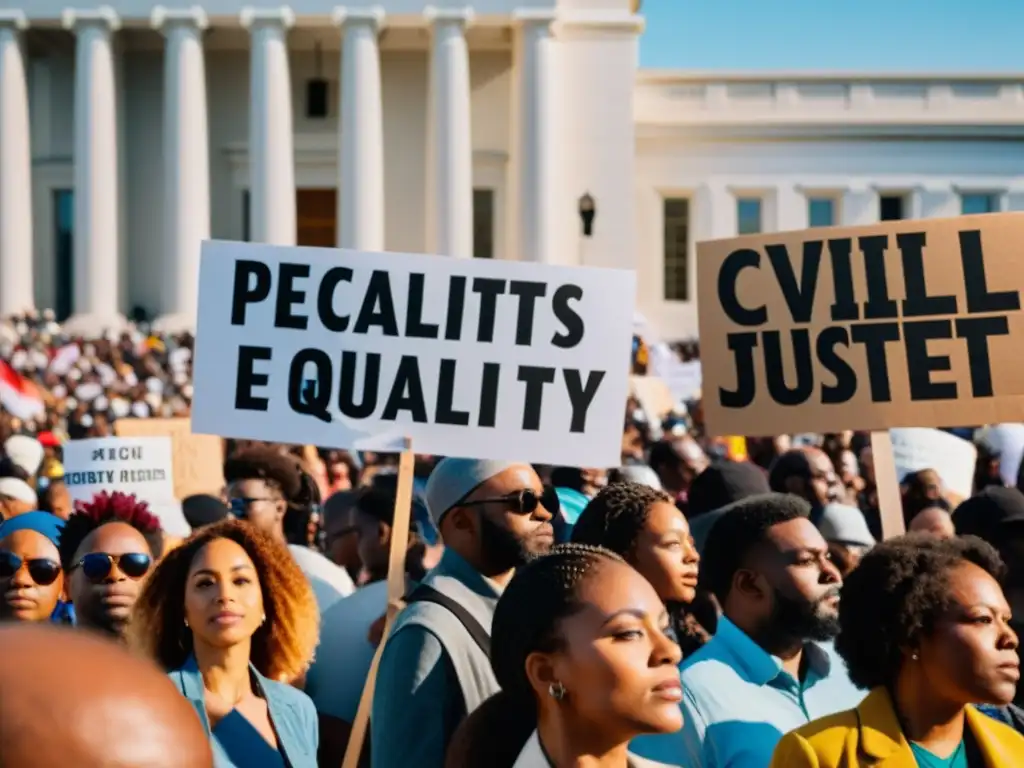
(894, 597)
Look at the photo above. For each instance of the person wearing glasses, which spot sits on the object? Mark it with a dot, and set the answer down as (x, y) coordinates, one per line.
(230, 617)
(435, 667)
(31, 577)
(106, 549)
(269, 489)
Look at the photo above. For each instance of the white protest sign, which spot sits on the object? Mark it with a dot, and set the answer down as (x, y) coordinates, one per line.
(952, 457)
(139, 465)
(466, 357)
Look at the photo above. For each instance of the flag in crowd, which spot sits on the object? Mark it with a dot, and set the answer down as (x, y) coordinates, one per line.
(393, 510)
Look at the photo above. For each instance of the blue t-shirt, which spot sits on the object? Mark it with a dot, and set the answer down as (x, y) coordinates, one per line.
(926, 759)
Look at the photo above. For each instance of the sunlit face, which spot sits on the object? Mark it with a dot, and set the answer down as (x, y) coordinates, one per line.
(933, 520)
(616, 662)
(971, 656)
(796, 584)
(105, 581)
(254, 500)
(508, 516)
(223, 596)
(665, 554)
(31, 579)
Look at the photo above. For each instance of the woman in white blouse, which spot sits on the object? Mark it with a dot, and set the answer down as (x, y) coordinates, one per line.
(579, 646)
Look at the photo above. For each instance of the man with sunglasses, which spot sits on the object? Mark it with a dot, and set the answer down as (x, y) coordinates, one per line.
(435, 668)
(31, 579)
(107, 549)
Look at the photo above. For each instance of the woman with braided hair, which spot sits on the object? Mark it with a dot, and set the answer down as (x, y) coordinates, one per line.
(644, 526)
(580, 649)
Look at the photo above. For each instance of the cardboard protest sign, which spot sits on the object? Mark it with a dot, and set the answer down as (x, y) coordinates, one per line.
(952, 457)
(477, 358)
(905, 323)
(654, 397)
(198, 459)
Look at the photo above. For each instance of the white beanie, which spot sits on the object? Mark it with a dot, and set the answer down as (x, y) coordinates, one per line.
(26, 452)
(19, 490)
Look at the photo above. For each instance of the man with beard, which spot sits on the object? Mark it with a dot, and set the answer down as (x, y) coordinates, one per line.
(769, 668)
(435, 668)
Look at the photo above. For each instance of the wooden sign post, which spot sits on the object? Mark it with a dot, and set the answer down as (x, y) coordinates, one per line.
(396, 593)
(890, 502)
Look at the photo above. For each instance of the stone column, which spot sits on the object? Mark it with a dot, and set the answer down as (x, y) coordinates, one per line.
(933, 201)
(790, 208)
(859, 205)
(361, 143)
(271, 143)
(186, 164)
(96, 272)
(539, 151)
(17, 286)
(450, 151)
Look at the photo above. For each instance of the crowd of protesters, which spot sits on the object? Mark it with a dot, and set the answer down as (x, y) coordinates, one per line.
(699, 605)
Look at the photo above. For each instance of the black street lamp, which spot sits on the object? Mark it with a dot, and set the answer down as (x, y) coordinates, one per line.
(588, 210)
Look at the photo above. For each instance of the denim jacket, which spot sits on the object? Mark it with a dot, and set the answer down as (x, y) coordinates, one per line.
(291, 712)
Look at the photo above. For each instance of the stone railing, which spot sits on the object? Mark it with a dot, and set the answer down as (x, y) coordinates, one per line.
(694, 98)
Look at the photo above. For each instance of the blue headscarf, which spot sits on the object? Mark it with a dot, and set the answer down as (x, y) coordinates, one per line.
(43, 523)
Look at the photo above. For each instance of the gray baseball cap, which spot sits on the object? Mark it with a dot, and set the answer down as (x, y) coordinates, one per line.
(844, 524)
(453, 479)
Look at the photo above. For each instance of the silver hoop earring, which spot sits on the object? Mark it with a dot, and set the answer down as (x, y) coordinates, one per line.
(556, 691)
(186, 623)
(263, 620)
(913, 656)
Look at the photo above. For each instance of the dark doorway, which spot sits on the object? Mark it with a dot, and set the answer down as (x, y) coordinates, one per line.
(63, 252)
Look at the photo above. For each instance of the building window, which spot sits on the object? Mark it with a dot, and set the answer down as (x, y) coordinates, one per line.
(64, 252)
(748, 215)
(483, 224)
(821, 212)
(890, 208)
(979, 203)
(676, 214)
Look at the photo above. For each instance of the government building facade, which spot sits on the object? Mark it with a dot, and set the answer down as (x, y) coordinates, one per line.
(132, 131)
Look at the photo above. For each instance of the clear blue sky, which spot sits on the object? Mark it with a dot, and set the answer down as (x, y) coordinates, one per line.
(828, 35)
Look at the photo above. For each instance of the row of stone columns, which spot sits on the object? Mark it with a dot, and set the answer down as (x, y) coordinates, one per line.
(449, 193)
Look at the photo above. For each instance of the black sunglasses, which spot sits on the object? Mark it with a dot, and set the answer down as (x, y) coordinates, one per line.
(43, 571)
(524, 502)
(97, 565)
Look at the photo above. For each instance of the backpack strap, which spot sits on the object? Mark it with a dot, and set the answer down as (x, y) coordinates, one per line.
(426, 594)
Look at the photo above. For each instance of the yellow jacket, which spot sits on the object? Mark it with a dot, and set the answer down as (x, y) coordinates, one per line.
(870, 735)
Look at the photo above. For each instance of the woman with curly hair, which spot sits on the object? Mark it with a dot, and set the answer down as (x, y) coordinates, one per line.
(580, 649)
(106, 549)
(924, 625)
(233, 620)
